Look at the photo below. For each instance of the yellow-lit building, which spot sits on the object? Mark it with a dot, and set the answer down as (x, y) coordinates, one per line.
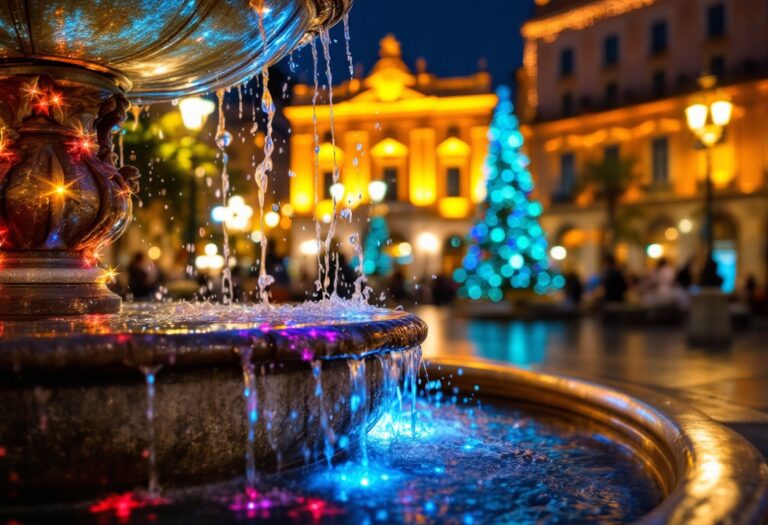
(608, 77)
(424, 136)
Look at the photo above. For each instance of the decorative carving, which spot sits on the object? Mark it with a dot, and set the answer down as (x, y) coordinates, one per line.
(61, 196)
(59, 187)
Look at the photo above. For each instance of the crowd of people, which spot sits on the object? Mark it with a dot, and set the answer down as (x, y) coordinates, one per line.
(663, 287)
(146, 281)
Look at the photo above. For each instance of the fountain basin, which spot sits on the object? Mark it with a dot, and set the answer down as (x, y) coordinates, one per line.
(706, 472)
(74, 396)
(159, 49)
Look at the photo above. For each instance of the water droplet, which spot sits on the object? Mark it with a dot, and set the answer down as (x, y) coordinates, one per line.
(223, 139)
(291, 173)
(275, 207)
(265, 280)
(346, 213)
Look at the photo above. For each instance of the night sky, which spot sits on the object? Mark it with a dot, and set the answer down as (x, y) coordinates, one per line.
(452, 35)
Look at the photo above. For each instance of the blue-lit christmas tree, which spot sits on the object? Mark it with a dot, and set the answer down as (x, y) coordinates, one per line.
(507, 246)
(376, 259)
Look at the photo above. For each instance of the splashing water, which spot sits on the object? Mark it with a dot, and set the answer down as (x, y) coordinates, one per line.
(150, 373)
(346, 45)
(362, 291)
(223, 140)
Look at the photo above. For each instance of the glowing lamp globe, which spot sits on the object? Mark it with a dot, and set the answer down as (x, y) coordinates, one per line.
(696, 116)
(377, 190)
(194, 111)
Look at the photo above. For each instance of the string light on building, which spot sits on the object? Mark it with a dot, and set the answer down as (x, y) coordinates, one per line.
(236, 214)
(654, 251)
(308, 247)
(271, 219)
(685, 226)
(558, 253)
(671, 233)
(210, 260)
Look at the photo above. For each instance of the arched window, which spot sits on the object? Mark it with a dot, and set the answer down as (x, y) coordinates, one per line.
(389, 159)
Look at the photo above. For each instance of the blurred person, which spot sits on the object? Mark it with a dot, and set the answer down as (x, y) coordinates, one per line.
(143, 277)
(684, 277)
(658, 286)
(752, 293)
(614, 283)
(397, 290)
(573, 287)
(443, 290)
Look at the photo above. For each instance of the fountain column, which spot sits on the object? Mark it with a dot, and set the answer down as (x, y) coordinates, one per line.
(61, 196)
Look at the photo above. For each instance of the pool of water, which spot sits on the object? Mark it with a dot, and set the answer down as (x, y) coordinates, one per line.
(476, 462)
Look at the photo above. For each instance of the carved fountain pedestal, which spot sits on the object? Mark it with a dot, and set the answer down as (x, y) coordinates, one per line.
(61, 196)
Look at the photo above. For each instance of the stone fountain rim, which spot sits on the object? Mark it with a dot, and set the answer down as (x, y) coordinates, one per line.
(31, 348)
(707, 472)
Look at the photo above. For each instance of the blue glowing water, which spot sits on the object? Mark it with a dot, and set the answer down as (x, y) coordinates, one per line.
(477, 463)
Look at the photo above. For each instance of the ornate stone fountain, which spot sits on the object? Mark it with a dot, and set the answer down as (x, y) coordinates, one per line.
(68, 73)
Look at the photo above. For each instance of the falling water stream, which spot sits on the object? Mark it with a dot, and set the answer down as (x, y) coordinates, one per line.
(347, 48)
(319, 282)
(264, 169)
(251, 414)
(150, 374)
(325, 41)
(223, 140)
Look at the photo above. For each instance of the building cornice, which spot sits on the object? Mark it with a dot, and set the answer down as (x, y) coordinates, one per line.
(480, 105)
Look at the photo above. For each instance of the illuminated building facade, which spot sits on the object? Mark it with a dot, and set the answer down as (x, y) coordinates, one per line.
(613, 77)
(424, 136)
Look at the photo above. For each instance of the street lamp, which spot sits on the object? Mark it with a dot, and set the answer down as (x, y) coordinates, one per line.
(236, 214)
(194, 112)
(707, 117)
(377, 190)
(429, 244)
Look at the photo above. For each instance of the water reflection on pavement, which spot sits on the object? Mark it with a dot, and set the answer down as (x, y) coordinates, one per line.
(730, 385)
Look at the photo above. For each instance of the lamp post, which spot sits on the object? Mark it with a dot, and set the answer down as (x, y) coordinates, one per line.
(194, 112)
(707, 117)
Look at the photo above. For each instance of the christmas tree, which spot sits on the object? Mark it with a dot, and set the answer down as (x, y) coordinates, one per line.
(507, 246)
(376, 259)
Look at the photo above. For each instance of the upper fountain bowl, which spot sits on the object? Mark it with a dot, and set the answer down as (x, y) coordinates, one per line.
(160, 49)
